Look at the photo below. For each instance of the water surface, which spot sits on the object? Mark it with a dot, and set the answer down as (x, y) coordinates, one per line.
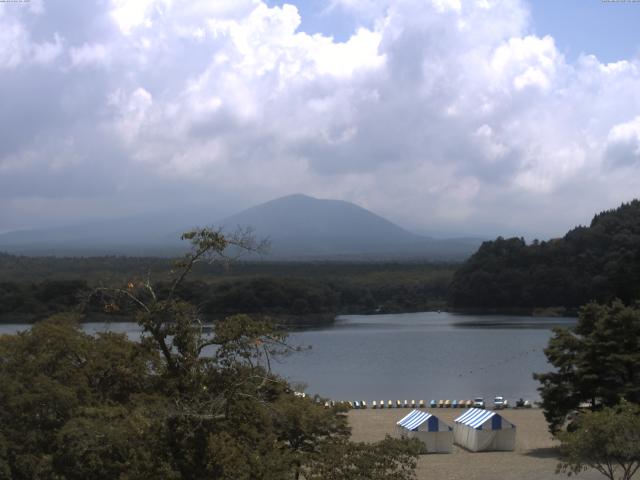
(427, 355)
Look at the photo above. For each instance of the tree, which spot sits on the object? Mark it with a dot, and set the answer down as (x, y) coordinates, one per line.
(185, 402)
(607, 441)
(597, 363)
(389, 459)
(58, 382)
(600, 262)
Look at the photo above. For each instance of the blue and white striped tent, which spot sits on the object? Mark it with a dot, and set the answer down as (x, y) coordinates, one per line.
(436, 435)
(481, 430)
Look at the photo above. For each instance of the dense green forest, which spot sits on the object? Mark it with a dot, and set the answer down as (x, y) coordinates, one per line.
(35, 287)
(599, 262)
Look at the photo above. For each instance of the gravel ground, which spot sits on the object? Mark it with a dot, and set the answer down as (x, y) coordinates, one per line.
(535, 457)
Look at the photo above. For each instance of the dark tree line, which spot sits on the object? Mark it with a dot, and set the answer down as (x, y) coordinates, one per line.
(263, 295)
(40, 299)
(600, 262)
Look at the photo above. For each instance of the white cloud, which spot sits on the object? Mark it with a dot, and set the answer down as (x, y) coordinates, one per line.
(47, 52)
(623, 143)
(528, 61)
(440, 113)
(129, 14)
(133, 111)
(14, 40)
(88, 55)
(18, 49)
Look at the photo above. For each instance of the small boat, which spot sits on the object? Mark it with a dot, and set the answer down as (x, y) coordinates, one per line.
(390, 404)
(381, 403)
(398, 404)
(447, 404)
(440, 403)
(433, 404)
(413, 404)
(363, 404)
(454, 404)
(374, 405)
(421, 404)
(406, 404)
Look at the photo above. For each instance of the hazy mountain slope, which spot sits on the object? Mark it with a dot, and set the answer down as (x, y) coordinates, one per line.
(302, 226)
(139, 235)
(299, 227)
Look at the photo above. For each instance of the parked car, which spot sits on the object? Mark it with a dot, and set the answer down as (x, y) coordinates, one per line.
(499, 403)
(478, 402)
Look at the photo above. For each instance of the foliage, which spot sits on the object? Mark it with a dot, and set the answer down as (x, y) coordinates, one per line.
(607, 441)
(300, 291)
(182, 403)
(600, 262)
(597, 363)
(390, 459)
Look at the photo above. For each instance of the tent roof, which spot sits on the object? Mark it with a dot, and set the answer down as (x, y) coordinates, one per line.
(414, 419)
(475, 417)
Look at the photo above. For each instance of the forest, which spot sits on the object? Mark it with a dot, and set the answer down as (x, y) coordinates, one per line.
(600, 262)
(33, 288)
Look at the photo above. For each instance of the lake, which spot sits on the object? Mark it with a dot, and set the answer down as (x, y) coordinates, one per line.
(426, 355)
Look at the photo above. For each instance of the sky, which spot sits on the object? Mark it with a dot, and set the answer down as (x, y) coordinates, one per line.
(449, 117)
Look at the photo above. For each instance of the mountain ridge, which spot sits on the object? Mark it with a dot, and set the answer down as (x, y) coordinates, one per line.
(299, 227)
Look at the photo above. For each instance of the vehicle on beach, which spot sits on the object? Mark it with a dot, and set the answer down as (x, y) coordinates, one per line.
(499, 403)
(478, 402)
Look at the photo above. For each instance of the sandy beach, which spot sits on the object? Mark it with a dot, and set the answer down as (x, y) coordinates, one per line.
(535, 457)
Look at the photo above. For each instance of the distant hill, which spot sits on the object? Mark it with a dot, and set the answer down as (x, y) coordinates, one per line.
(598, 262)
(141, 235)
(299, 228)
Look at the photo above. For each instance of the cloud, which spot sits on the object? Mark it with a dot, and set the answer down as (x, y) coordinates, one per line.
(441, 114)
(622, 147)
(90, 55)
(18, 48)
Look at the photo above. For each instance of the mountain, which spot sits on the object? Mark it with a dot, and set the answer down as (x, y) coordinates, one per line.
(139, 235)
(599, 262)
(299, 227)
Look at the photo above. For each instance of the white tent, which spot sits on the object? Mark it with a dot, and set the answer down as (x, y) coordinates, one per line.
(480, 430)
(436, 436)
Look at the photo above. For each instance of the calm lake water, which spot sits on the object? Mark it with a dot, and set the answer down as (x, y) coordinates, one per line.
(425, 355)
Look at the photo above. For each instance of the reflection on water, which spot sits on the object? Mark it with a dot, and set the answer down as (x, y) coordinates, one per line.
(427, 355)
